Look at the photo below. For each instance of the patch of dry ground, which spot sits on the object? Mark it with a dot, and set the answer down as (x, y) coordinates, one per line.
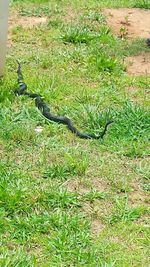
(138, 197)
(71, 15)
(97, 226)
(85, 187)
(131, 23)
(136, 21)
(138, 65)
(26, 21)
(93, 209)
(77, 186)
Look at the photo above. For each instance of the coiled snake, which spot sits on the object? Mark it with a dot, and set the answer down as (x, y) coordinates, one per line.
(45, 110)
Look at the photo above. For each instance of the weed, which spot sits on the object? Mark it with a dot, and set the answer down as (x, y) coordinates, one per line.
(77, 35)
(94, 194)
(134, 47)
(71, 167)
(54, 23)
(59, 171)
(123, 32)
(96, 16)
(124, 213)
(59, 199)
(105, 63)
(132, 122)
(17, 258)
(144, 169)
(39, 11)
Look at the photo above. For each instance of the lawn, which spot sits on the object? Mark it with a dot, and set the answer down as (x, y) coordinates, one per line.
(66, 201)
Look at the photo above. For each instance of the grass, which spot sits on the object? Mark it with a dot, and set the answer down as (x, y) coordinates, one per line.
(142, 4)
(66, 201)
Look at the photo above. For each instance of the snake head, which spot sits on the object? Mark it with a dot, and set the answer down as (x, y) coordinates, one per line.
(148, 41)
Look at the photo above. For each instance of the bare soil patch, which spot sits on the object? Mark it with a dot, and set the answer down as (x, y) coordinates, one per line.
(83, 188)
(137, 198)
(138, 65)
(134, 21)
(71, 15)
(97, 226)
(144, 220)
(77, 186)
(26, 21)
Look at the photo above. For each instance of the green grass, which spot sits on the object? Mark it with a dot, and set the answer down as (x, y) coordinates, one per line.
(66, 201)
(142, 4)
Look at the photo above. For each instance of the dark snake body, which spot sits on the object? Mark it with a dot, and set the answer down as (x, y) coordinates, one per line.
(45, 110)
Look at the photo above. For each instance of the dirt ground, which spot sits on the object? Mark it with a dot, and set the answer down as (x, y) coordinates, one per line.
(15, 21)
(138, 65)
(131, 23)
(136, 22)
(25, 22)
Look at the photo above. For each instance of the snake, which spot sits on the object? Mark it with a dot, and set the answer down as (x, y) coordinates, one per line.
(45, 110)
(148, 41)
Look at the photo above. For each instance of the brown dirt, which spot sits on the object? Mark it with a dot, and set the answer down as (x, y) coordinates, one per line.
(137, 198)
(144, 220)
(26, 21)
(97, 226)
(83, 188)
(138, 65)
(98, 209)
(131, 23)
(136, 22)
(71, 15)
(77, 186)
(99, 184)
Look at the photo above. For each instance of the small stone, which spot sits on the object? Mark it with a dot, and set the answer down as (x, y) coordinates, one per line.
(39, 129)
